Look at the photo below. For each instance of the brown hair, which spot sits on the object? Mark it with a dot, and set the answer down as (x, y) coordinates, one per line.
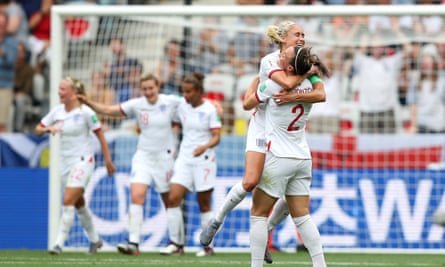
(303, 61)
(148, 77)
(196, 79)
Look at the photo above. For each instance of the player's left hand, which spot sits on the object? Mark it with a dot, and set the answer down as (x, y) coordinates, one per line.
(199, 150)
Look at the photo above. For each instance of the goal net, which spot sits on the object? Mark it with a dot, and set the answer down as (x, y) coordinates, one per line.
(377, 143)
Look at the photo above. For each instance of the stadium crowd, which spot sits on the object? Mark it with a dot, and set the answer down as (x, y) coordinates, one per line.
(387, 72)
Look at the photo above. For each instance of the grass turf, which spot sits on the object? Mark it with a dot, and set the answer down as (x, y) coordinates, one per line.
(28, 258)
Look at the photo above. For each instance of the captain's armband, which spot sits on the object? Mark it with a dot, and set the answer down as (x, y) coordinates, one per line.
(315, 79)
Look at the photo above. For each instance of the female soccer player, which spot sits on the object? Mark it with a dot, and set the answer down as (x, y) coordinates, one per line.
(74, 122)
(288, 165)
(285, 35)
(195, 167)
(153, 160)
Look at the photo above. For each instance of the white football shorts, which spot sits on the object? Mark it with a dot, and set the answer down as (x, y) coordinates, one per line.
(76, 171)
(147, 168)
(197, 174)
(286, 176)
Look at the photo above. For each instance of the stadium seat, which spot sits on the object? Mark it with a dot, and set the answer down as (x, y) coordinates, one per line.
(219, 85)
(241, 86)
(349, 117)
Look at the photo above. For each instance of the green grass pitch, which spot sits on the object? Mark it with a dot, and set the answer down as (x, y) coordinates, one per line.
(19, 258)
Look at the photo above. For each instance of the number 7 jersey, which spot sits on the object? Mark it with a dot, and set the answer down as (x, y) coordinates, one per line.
(285, 124)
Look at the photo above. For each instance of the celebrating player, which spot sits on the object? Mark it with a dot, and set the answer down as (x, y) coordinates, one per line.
(153, 160)
(195, 167)
(288, 166)
(74, 122)
(286, 34)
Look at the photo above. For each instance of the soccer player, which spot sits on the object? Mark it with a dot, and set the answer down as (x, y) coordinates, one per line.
(153, 160)
(74, 122)
(195, 167)
(288, 166)
(286, 34)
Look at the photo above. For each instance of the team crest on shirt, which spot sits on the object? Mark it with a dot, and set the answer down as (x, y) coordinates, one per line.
(76, 117)
(202, 115)
(163, 108)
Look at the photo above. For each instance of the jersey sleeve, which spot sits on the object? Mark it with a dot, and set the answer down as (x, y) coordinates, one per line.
(214, 118)
(92, 119)
(128, 107)
(266, 90)
(48, 119)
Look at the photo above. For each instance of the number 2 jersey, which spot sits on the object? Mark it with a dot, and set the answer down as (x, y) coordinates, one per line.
(285, 124)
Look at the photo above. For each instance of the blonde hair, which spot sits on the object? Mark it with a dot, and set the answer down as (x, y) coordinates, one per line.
(276, 32)
(76, 85)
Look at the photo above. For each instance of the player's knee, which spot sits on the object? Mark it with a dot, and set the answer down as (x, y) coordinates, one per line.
(249, 185)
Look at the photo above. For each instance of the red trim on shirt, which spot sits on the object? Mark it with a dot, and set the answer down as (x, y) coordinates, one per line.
(268, 145)
(257, 98)
(122, 111)
(98, 129)
(41, 124)
(272, 72)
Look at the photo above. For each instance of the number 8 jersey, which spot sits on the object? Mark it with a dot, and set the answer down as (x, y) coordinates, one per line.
(285, 124)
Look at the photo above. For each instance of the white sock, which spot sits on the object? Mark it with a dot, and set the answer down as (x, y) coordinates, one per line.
(311, 238)
(135, 218)
(205, 219)
(233, 198)
(176, 225)
(279, 213)
(87, 222)
(66, 222)
(258, 240)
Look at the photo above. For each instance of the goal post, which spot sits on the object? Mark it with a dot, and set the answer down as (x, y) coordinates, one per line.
(369, 192)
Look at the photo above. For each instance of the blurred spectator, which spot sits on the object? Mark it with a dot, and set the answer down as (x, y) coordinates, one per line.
(29, 6)
(40, 28)
(8, 56)
(134, 78)
(118, 71)
(17, 21)
(247, 47)
(170, 71)
(211, 47)
(426, 95)
(377, 77)
(23, 89)
(99, 91)
(325, 117)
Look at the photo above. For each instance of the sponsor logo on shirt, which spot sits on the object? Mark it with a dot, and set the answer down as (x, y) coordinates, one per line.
(94, 119)
(262, 87)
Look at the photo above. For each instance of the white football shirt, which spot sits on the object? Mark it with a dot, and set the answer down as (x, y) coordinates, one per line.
(197, 123)
(75, 129)
(268, 65)
(154, 121)
(285, 125)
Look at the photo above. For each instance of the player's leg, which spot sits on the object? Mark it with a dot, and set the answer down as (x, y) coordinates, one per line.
(254, 162)
(297, 198)
(262, 203)
(86, 221)
(175, 221)
(204, 202)
(135, 219)
(70, 197)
